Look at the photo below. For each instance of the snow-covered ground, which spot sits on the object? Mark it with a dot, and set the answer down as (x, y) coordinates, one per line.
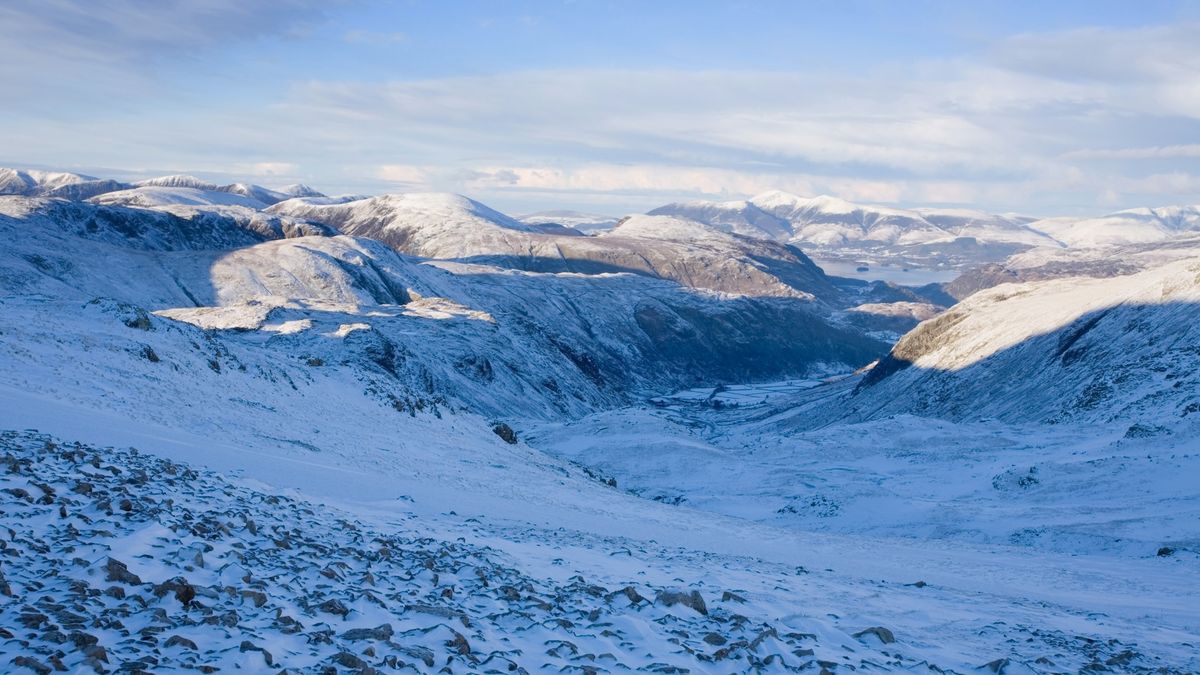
(351, 459)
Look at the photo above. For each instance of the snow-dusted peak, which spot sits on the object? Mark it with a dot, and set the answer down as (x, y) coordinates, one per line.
(255, 192)
(177, 181)
(300, 190)
(828, 204)
(772, 199)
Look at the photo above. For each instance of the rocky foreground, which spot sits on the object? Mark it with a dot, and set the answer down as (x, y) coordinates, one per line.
(115, 560)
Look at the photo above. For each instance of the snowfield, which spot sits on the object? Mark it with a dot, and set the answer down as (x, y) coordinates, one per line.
(411, 433)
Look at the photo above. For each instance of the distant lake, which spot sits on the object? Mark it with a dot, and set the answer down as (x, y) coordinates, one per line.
(911, 276)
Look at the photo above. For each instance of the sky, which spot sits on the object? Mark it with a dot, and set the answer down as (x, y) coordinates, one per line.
(1042, 108)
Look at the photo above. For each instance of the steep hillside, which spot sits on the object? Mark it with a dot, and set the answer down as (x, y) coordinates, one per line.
(1119, 348)
(491, 339)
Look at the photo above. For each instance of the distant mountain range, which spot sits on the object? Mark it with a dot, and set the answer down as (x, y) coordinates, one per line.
(826, 228)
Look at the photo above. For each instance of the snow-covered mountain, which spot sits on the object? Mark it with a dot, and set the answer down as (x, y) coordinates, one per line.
(448, 226)
(54, 184)
(192, 191)
(835, 228)
(1134, 226)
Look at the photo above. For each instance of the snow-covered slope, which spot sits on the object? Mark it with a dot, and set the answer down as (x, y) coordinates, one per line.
(1121, 348)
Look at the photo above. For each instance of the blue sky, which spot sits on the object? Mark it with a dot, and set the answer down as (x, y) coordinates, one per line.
(1041, 107)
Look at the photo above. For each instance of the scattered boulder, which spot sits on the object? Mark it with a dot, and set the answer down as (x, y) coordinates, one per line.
(334, 606)
(885, 636)
(692, 600)
(119, 572)
(505, 433)
(180, 641)
(383, 632)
